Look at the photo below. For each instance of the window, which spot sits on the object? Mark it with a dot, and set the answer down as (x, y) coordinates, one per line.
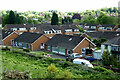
(46, 32)
(33, 28)
(109, 28)
(62, 51)
(13, 29)
(55, 49)
(42, 45)
(12, 41)
(58, 31)
(22, 29)
(101, 28)
(49, 48)
(75, 30)
(86, 27)
(93, 27)
(68, 30)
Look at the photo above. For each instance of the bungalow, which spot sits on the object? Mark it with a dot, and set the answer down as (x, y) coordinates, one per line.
(70, 29)
(99, 34)
(31, 27)
(32, 41)
(107, 27)
(19, 28)
(91, 27)
(8, 37)
(113, 46)
(68, 44)
(49, 30)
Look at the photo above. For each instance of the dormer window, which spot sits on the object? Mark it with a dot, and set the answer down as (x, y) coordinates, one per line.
(75, 30)
(13, 29)
(86, 27)
(68, 30)
(33, 28)
(22, 29)
(101, 28)
(93, 27)
(58, 31)
(109, 28)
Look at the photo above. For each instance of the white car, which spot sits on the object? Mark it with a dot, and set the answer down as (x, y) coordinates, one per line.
(75, 55)
(83, 61)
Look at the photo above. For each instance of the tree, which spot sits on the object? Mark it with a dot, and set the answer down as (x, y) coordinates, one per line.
(54, 19)
(11, 18)
(106, 58)
(5, 20)
(102, 40)
(81, 30)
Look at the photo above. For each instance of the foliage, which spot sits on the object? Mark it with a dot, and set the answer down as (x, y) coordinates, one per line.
(65, 74)
(16, 75)
(89, 38)
(102, 40)
(104, 70)
(81, 30)
(38, 67)
(54, 20)
(11, 18)
(52, 71)
(26, 50)
(108, 59)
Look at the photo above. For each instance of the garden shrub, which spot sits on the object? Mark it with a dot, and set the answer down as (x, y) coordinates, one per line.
(16, 75)
(52, 71)
(65, 74)
(26, 50)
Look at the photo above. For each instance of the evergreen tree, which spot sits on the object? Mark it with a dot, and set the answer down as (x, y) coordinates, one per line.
(54, 20)
(11, 18)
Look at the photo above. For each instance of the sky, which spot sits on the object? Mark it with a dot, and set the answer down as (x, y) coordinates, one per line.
(60, 5)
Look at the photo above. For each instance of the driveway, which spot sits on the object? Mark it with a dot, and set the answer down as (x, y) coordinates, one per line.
(58, 56)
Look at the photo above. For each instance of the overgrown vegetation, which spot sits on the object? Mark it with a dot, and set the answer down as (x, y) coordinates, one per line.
(40, 68)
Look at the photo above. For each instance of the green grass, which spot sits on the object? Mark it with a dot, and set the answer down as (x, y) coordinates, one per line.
(38, 67)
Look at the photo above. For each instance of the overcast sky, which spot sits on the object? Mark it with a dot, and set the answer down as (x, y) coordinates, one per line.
(60, 5)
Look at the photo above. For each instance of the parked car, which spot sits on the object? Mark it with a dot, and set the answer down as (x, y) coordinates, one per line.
(90, 58)
(83, 62)
(75, 55)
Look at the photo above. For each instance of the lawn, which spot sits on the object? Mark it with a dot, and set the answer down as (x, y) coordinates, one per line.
(38, 67)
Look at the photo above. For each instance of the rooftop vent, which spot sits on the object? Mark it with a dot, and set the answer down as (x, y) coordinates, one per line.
(70, 39)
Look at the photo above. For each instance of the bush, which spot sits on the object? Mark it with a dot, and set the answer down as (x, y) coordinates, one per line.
(16, 75)
(52, 71)
(101, 69)
(66, 64)
(65, 74)
(5, 48)
(26, 50)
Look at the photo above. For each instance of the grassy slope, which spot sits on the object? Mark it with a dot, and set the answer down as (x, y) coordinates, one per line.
(38, 67)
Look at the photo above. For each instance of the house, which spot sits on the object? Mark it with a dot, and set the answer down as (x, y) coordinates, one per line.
(68, 44)
(100, 34)
(19, 28)
(70, 29)
(32, 41)
(31, 27)
(91, 27)
(113, 46)
(107, 27)
(8, 37)
(48, 30)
